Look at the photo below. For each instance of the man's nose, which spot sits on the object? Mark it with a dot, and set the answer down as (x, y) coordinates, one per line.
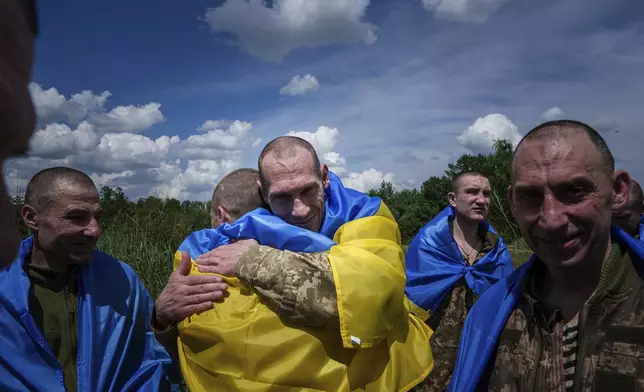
(553, 215)
(300, 209)
(93, 229)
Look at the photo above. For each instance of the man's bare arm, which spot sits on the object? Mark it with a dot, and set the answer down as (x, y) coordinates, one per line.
(298, 286)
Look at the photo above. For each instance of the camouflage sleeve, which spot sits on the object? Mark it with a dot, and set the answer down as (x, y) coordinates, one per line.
(298, 286)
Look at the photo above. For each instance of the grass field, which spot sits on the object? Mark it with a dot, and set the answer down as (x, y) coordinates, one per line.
(152, 259)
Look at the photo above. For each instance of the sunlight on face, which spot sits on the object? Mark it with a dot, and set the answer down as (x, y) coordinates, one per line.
(472, 200)
(562, 199)
(69, 226)
(296, 192)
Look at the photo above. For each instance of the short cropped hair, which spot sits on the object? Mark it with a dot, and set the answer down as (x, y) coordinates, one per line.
(456, 181)
(45, 185)
(560, 128)
(286, 147)
(238, 193)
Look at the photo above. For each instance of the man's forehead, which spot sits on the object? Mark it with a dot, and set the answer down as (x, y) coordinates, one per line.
(74, 193)
(568, 156)
(473, 180)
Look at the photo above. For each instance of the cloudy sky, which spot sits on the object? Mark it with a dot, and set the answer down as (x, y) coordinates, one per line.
(165, 97)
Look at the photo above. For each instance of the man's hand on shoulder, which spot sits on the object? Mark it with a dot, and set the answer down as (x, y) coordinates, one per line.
(186, 295)
(225, 258)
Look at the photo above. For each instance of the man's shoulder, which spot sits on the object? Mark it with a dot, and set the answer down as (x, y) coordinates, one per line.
(110, 269)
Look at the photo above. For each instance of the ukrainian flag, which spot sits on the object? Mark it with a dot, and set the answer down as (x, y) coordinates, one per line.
(382, 343)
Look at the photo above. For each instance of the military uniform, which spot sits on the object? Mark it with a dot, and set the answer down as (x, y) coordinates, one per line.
(298, 286)
(447, 323)
(610, 346)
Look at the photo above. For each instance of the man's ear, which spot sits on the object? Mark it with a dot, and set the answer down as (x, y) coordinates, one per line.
(30, 217)
(451, 199)
(261, 189)
(621, 189)
(324, 171)
(223, 215)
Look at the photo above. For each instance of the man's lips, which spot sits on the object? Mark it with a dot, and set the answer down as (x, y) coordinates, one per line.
(566, 242)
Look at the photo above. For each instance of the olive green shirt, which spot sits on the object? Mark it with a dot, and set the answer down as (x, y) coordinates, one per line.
(53, 303)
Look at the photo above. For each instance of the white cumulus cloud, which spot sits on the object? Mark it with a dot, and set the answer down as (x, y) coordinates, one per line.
(554, 113)
(270, 33)
(323, 139)
(463, 10)
(59, 141)
(218, 143)
(128, 118)
(367, 180)
(300, 85)
(52, 106)
(481, 135)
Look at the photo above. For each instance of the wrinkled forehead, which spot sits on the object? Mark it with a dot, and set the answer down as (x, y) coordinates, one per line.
(66, 195)
(556, 158)
(473, 181)
(286, 174)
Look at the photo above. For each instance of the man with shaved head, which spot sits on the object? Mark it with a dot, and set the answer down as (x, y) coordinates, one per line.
(235, 195)
(571, 318)
(18, 29)
(450, 263)
(72, 317)
(629, 217)
(298, 274)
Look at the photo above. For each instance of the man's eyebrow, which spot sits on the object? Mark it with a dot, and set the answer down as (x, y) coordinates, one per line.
(302, 188)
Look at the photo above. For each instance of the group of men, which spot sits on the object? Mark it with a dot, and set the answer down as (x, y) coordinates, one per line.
(302, 284)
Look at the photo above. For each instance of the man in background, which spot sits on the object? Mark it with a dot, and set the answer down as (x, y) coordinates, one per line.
(450, 263)
(18, 28)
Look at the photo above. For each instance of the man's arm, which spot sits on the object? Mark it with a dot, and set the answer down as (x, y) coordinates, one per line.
(298, 286)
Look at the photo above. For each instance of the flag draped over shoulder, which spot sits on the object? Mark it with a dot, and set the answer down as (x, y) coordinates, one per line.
(241, 344)
(116, 349)
(435, 264)
(490, 313)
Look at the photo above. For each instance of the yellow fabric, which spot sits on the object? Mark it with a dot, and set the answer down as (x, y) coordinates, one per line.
(242, 345)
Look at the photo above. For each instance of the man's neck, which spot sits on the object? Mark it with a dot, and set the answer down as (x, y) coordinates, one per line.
(568, 288)
(40, 258)
(466, 231)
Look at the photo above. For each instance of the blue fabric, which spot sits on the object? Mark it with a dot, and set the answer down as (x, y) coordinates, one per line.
(342, 205)
(434, 263)
(490, 313)
(117, 351)
(641, 229)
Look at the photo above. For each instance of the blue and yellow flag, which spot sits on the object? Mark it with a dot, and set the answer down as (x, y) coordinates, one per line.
(490, 313)
(243, 345)
(435, 264)
(117, 350)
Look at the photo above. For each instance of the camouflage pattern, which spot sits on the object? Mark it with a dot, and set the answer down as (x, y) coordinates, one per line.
(610, 354)
(298, 286)
(447, 323)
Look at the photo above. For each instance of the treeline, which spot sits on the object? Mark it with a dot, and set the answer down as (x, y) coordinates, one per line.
(145, 233)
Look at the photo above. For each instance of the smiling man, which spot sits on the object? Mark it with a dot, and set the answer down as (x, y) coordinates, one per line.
(451, 262)
(74, 318)
(571, 318)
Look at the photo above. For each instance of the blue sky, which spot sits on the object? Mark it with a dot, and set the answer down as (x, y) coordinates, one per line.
(165, 97)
